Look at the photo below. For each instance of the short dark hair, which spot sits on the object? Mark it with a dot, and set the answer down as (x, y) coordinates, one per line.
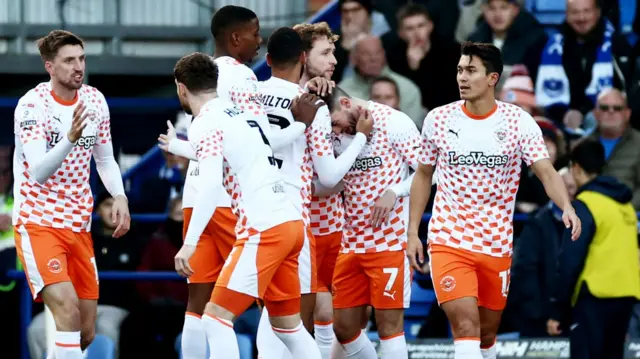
(197, 72)
(386, 79)
(412, 9)
(285, 46)
(333, 99)
(54, 41)
(489, 54)
(229, 16)
(589, 155)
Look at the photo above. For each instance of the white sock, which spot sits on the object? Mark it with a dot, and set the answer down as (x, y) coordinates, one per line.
(194, 340)
(324, 338)
(68, 345)
(394, 347)
(268, 344)
(299, 341)
(467, 349)
(359, 348)
(221, 337)
(490, 352)
(337, 350)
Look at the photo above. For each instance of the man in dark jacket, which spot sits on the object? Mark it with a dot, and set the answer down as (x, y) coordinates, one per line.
(510, 28)
(598, 274)
(583, 57)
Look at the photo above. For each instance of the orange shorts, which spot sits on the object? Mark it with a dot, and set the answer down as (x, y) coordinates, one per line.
(214, 245)
(458, 273)
(265, 265)
(382, 280)
(307, 267)
(53, 255)
(327, 249)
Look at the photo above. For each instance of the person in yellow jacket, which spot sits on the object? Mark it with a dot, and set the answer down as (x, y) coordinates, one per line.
(598, 279)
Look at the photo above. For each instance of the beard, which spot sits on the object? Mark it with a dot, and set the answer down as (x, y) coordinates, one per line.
(185, 107)
(71, 85)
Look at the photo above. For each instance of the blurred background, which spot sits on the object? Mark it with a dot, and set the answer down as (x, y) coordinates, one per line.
(403, 56)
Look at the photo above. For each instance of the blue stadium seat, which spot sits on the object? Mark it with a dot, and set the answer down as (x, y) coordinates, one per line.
(421, 301)
(627, 14)
(550, 5)
(548, 12)
(245, 344)
(509, 336)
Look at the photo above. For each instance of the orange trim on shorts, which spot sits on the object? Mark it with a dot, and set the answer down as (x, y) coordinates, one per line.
(392, 336)
(192, 314)
(223, 322)
(466, 339)
(285, 331)
(323, 323)
(67, 345)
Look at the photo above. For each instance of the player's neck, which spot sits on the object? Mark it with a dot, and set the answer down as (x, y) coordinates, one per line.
(290, 75)
(221, 51)
(481, 107)
(197, 101)
(62, 92)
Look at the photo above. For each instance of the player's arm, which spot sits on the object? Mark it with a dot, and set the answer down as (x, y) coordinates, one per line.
(319, 190)
(534, 154)
(421, 191)
(29, 127)
(170, 142)
(570, 263)
(330, 169)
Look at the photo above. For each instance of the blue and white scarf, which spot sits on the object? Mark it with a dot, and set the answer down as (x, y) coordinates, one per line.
(552, 84)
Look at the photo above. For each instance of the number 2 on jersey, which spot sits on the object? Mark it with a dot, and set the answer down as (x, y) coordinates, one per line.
(272, 160)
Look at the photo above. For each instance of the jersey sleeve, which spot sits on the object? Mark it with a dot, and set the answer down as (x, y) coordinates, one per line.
(209, 145)
(29, 121)
(405, 138)
(428, 149)
(531, 141)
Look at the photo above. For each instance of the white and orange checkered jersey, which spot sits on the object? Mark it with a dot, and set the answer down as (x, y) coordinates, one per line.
(236, 83)
(478, 161)
(312, 149)
(51, 174)
(383, 164)
(233, 153)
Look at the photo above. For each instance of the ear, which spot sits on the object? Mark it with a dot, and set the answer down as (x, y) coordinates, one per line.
(48, 65)
(268, 59)
(303, 58)
(345, 102)
(494, 79)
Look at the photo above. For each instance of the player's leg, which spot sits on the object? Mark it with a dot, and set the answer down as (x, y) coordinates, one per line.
(351, 298)
(327, 248)
(456, 287)
(493, 287)
(43, 254)
(212, 251)
(389, 276)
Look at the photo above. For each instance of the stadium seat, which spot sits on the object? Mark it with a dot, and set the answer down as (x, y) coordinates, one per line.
(627, 15)
(548, 12)
(245, 344)
(509, 336)
(550, 5)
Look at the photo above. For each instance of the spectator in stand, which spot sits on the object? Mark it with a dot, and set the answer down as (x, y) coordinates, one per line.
(423, 56)
(534, 266)
(445, 14)
(385, 91)
(598, 275)
(518, 90)
(511, 29)
(370, 62)
(358, 19)
(577, 62)
(621, 142)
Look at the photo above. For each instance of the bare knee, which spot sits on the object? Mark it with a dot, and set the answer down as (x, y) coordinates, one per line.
(199, 295)
(390, 322)
(324, 308)
(347, 323)
(464, 317)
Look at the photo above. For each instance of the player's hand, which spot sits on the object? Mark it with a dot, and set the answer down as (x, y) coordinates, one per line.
(320, 86)
(79, 122)
(305, 107)
(553, 327)
(572, 221)
(182, 260)
(164, 140)
(415, 53)
(415, 252)
(120, 216)
(365, 122)
(382, 207)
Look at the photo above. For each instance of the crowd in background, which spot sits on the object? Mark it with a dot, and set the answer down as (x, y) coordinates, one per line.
(405, 56)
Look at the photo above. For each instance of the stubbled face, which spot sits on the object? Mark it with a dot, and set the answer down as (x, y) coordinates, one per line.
(181, 90)
(249, 40)
(68, 66)
(473, 80)
(344, 119)
(321, 60)
(582, 15)
(415, 30)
